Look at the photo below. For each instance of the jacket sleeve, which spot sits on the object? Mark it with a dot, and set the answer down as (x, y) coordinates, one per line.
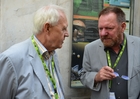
(8, 80)
(87, 74)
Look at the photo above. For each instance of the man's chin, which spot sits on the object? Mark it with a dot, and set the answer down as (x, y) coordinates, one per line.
(107, 44)
(60, 47)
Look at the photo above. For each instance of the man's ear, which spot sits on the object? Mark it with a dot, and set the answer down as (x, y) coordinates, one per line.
(123, 25)
(46, 27)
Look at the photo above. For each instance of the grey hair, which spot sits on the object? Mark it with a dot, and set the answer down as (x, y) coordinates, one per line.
(47, 14)
(116, 10)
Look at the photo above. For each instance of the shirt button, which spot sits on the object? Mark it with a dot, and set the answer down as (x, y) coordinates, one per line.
(119, 97)
(78, 56)
(118, 83)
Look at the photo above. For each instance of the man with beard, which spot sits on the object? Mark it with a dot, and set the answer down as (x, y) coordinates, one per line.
(111, 66)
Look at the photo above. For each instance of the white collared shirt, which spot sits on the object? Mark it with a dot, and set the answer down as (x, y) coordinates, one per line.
(48, 60)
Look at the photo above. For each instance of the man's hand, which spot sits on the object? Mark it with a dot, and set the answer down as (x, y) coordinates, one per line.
(105, 73)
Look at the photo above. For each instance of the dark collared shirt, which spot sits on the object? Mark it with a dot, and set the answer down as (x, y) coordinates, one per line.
(119, 85)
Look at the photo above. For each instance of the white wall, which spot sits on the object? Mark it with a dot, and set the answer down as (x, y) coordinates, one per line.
(136, 18)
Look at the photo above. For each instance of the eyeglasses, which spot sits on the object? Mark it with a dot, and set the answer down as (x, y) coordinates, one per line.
(124, 76)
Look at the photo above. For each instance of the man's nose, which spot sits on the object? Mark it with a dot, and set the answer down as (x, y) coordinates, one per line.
(103, 32)
(66, 34)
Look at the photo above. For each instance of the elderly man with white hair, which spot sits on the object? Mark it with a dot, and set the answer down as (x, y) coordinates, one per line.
(30, 70)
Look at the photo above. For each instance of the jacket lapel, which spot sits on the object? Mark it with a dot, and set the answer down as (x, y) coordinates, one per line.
(130, 47)
(102, 54)
(38, 68)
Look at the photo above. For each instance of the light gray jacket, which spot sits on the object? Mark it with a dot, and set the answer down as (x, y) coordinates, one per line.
(95, 57)
(22, 74)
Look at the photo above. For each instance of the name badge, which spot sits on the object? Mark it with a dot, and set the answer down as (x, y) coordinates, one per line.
(112, 95)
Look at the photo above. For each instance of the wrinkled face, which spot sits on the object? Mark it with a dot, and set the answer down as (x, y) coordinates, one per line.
(110, 31)
(58, 33)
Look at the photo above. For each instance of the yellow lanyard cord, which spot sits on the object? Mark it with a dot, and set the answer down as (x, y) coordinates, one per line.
(45, 67)
(117, 60)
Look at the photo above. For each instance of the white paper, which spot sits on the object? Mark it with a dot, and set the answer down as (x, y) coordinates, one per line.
(112, 95)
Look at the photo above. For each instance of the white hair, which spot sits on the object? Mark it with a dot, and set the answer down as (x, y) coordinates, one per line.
(47, 14)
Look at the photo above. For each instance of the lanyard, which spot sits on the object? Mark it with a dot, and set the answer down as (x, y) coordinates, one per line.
(45, 67)
(118, 58)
